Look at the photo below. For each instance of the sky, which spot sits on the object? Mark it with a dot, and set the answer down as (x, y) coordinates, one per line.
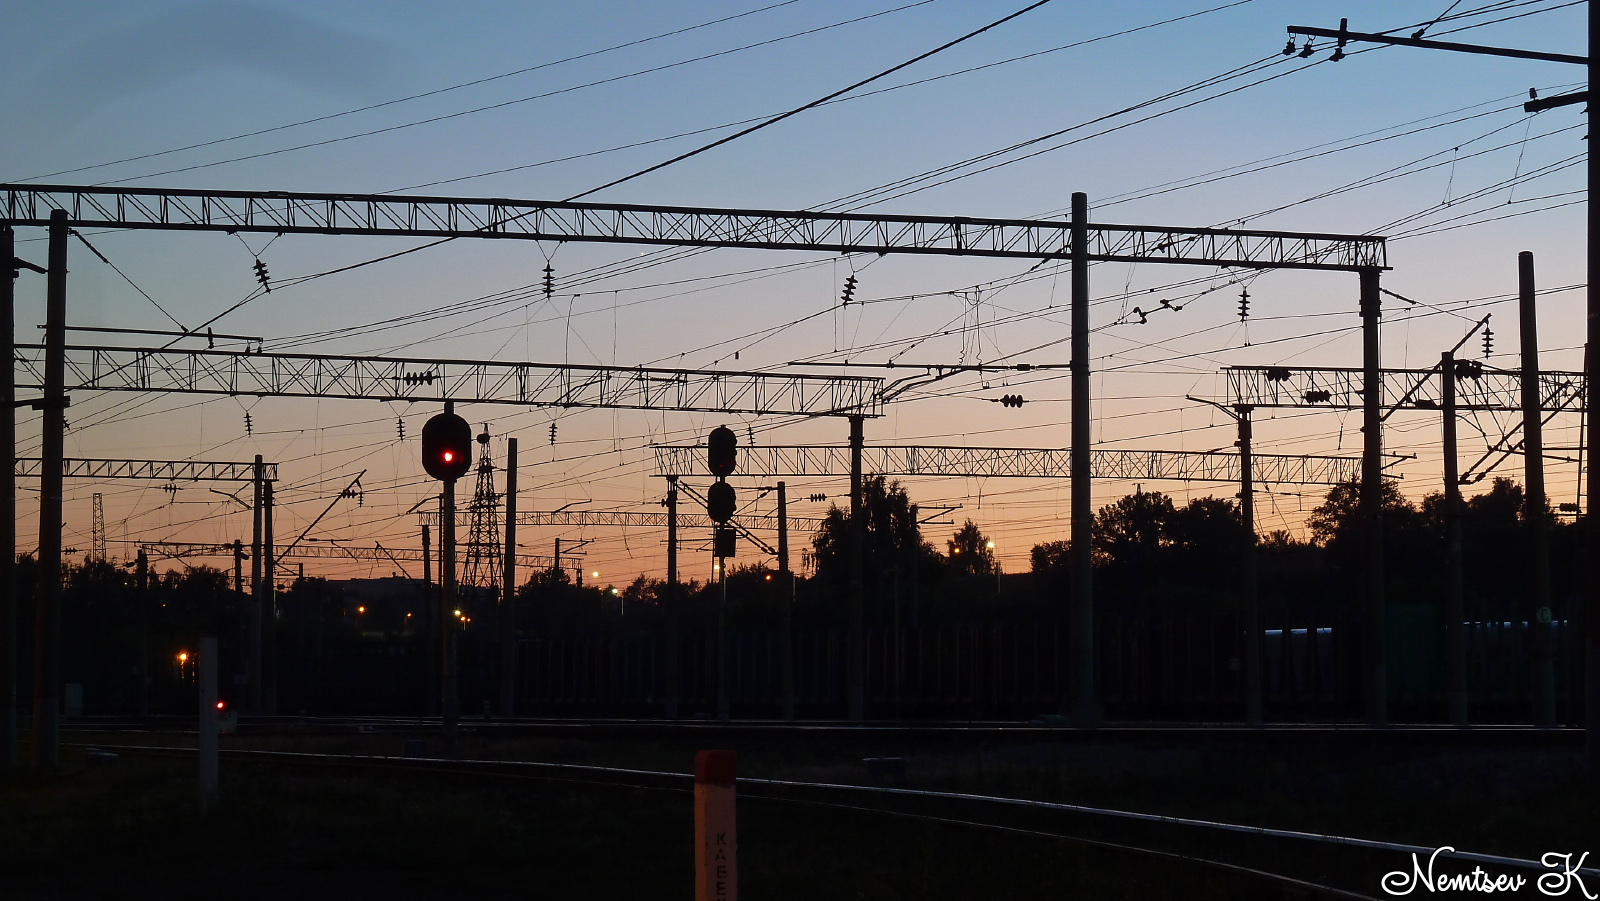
(1163, 113)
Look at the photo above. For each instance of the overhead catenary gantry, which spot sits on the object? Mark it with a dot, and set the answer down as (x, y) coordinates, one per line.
(235, 373)
(1015, 462)
(157, 470)
(1478, 387)
(283, 212)
(64, 207)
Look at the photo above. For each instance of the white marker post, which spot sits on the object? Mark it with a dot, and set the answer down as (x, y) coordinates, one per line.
(716, 859)
(208, 723)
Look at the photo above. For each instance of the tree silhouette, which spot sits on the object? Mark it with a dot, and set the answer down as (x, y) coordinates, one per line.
(971, 552)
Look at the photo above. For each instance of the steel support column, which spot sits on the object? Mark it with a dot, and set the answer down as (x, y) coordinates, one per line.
(1374, 683)
(1252, 605)
(1542, 677)
(1455, 637)
(857, 650)
(8, 508)
(1085, 712)
(47, 626)
(508, 601)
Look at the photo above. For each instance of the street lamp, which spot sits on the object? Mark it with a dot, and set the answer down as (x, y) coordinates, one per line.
(996, 564)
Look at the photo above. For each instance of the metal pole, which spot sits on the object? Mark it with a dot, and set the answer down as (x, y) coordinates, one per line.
(47, 627)
(1252, 601)
(8, 509)
(1455, 637)
(508, 605)
(208, 723)
(856, 665)
(1085, 713)
(1590, 614)
(451, 701)
(722, 639)
(253, 651)
(269, 606)
(430, 621)
(1375, 681)
(238, 567)
(916, 558)
(1535, 511)
(141, 592)
(672, 598)
(785, 608)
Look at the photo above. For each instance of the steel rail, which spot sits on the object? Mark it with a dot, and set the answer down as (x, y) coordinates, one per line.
(511, 766)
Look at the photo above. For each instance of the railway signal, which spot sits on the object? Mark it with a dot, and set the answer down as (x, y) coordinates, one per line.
(720, 502)
(722, 454)
(447, 447)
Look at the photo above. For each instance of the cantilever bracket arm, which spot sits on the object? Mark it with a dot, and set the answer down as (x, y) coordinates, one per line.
(1341, 34)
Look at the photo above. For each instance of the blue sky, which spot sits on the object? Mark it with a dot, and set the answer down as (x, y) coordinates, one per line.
(92, 83)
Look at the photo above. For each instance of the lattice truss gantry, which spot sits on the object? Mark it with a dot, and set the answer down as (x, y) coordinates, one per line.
(1478, 388)
(234, 373)
(281, 212)
(1014, 462)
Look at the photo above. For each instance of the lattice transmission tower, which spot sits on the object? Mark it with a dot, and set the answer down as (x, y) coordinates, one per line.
(483, 561)
(97, 530)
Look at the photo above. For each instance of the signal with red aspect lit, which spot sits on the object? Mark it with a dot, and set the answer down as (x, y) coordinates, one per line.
(447, 447)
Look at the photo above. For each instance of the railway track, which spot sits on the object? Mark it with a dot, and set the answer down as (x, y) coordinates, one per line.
(1264, 862)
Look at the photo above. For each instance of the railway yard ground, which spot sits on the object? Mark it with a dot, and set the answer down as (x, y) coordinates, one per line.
(377, 809)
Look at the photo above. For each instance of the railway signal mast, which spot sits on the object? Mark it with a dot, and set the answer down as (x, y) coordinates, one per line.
(447, 455)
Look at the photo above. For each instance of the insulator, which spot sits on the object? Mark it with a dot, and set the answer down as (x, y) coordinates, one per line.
(818, 498)
(549, 280)
(248, 428)
(1288, 48)
(261, 274)
(1244, 304)
(849, 289)
(401, 425)
(1308, 51)
(1488, 342)
(552, 433)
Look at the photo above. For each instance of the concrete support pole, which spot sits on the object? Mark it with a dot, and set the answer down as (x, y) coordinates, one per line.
(672, 599)
(141, 594)
(253, 650)
(238, 567)
(1085, 711)
(722, 637)
(856, 652)
(8, 508)
(1590, 614)
(450, 700)
(47, 625)
(785, 608)
(1455, 635)
(430, 622)
(1374, 683)
(1252, 601)
(269, 606)
(508, 603)
(208, 723)
(1535, 511)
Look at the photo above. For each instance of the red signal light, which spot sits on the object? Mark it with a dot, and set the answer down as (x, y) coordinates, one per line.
(448, 456)
(220, 704)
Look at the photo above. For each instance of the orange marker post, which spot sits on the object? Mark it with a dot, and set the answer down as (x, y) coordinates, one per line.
(716, 846)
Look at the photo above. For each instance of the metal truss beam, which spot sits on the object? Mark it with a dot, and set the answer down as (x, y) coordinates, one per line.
(640, 520)
(279, 212)
(97, 368)
(160, 470)
(378, 553)
(1014, 462)
(1334, 388)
